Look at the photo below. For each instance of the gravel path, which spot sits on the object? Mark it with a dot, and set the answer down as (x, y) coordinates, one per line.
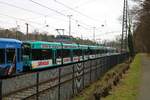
(145, 78)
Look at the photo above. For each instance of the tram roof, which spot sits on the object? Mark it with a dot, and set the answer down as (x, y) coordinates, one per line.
(43, 44)
(10, 43)
(83, 46)
(10, 40)
(96, 47)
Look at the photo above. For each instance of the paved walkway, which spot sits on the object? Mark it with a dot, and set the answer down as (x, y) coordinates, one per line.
(145, 79)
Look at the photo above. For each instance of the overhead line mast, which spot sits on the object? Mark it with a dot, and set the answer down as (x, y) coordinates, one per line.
(124, 36)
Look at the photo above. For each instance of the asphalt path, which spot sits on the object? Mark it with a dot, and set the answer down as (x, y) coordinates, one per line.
(144, 93)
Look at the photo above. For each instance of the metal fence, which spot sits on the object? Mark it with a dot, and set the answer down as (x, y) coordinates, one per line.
(61, 83)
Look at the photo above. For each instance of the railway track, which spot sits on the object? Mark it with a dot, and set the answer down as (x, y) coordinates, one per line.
(30, 93)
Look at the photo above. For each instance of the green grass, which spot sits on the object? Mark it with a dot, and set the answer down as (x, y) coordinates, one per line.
(128, 88)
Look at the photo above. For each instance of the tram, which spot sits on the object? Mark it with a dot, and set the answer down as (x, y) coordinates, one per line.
(39, 54)
(10, 56)
(17, 56)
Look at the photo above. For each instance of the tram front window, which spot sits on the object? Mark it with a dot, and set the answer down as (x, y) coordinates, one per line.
(26, 52)
(2, 56)
(10, 53)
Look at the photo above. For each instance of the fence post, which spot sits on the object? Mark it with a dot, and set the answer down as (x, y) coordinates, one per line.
(37, 86)
(103, 64)
(97, 76)
(90, 71)
(95, 70)
(59, 78)
(73, 77)
(83, 73)
(0, 89)
(106, 62)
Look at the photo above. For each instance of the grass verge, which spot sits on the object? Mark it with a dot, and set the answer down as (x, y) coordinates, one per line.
(128, 88)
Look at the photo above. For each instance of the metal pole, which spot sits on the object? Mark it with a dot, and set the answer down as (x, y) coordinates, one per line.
(91, 71)
(83, 73)
(124, 27)
(37, 86)
(27, 33)
(59, 82)
(73, 81)
(94, 33)
(69, 16)
(0, 89)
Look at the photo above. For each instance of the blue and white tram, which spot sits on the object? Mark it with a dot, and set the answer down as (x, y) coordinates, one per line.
(10, 56)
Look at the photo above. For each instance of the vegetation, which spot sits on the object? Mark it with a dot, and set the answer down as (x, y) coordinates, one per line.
(128, 88)
(141, 15)
(13, 33)
(103, 86)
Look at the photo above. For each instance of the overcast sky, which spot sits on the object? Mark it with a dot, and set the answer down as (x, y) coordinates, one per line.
(86, 13)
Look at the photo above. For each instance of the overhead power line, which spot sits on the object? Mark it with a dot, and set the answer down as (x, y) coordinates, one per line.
(24, 20)
(22, 8)
(75, 10)
(84, 3)
(48, 8)
(38, 13)
(31, 11)
(58, 12)
(19, 18)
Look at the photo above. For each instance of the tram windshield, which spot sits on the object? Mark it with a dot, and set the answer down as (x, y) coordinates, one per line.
(2, 56)
(10, 53)
(26, 52)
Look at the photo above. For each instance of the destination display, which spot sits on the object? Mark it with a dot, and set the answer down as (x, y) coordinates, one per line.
(76, 59)
(58, 61)
(41, 63)
(46, 46)
(66, 60)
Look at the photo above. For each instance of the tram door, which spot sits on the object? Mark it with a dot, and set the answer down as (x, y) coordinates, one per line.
(8, 61)
(2, 61)
(11, 60)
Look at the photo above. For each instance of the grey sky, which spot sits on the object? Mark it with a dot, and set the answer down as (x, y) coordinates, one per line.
(99, 12)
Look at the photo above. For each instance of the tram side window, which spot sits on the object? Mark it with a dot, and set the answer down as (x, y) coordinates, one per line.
(38, 54)
(77, 52)
(106, 51)
(103, 50)
(65, 53)
(100, 51)
(58, 55)
(18, 55)
(92, 52)
(86, 52)
(97, 51)
(10, 53)
(2, 56)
